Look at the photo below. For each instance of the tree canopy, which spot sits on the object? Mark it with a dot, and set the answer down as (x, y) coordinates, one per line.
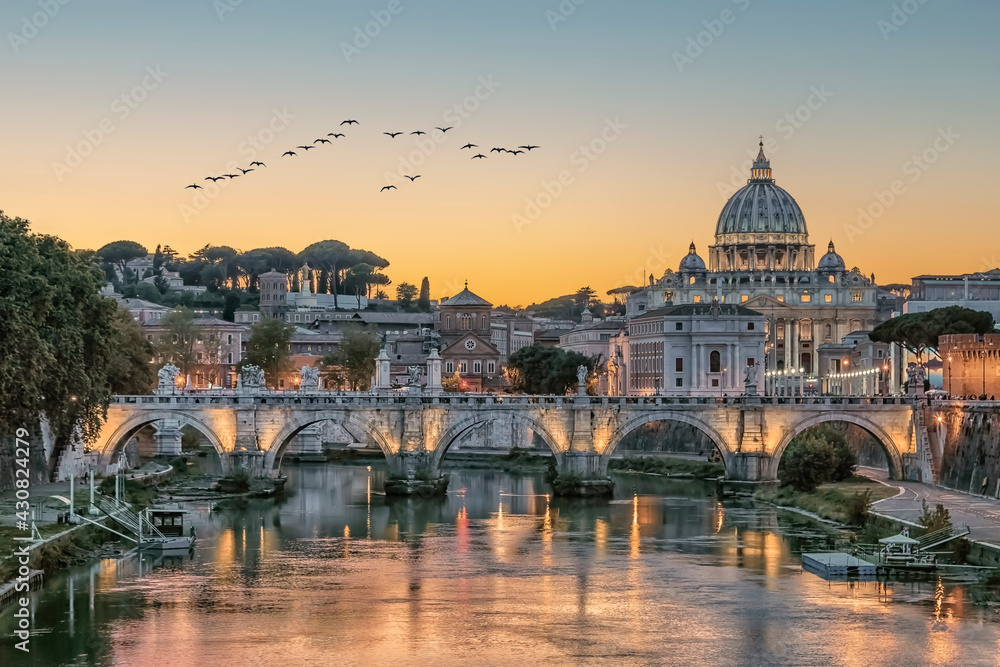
(65, 348)
(535, 369)
(405, 294)
(353, 363)
(920, 331)
(424, 300)
(268, 348)
(120, 253)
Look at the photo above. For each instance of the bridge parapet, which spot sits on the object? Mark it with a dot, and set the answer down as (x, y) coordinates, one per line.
(583, 432)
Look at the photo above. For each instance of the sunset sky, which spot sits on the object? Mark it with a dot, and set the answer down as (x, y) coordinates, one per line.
(112, 107)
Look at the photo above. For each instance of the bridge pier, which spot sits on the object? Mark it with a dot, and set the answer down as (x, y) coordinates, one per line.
(749, 467)
(583, 475)
(413, 473)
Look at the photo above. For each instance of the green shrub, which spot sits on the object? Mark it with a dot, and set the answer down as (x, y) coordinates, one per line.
(807, 463)
(857, 508)
(939, 519)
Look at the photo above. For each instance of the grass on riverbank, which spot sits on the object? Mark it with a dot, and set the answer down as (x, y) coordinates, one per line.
(831, 500)
(662, 465)
(50, 557)
(516, 460)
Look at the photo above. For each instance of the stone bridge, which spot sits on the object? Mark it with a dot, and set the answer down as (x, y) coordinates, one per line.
(583, 432)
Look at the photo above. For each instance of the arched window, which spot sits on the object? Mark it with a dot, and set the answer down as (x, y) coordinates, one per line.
(828, 332)
(714, 362)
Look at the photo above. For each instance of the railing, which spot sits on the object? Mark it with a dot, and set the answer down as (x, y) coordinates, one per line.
(361, 399)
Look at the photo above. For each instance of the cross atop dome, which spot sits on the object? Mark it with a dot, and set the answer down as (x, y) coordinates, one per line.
(761, 170)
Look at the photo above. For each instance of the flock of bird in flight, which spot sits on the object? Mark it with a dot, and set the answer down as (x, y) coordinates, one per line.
(338, 135)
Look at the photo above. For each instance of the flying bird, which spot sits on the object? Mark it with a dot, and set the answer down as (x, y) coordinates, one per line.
(305, 148)
(418, 132)
(322, 141)
(498, 150)
(444, 129)
(335, 135)
(350, 122)
(244, 170)
(231, 176)
(257, 164)
(388, 187)
(195, 186)
(412, 178)
(528, 147)
(288, 153)
(215, 178)
(480, 155)
(469, 146)
(392, 135)
(515, 152)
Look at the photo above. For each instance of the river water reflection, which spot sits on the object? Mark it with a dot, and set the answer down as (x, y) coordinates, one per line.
(496, 573)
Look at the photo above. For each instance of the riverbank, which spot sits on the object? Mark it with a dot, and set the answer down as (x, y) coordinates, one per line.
(665, 466)
(840, 502)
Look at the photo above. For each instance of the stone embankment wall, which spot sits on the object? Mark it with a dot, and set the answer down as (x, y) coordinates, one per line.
(965, 443)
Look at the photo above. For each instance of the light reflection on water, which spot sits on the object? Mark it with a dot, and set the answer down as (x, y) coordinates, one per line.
(493, 573)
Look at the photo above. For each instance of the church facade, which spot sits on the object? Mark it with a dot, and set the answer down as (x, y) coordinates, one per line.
(762, 260)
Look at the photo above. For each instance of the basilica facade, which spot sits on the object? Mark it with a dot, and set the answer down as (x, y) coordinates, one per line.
(762, 260)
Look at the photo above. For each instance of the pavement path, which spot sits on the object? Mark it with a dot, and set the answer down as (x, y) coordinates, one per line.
(980, 513)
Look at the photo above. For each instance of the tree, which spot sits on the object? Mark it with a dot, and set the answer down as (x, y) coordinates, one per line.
(129, 371)
(535, 369)
(120, 253)
(268, 348)
(583, 297)
(424, 300)
(332, 256)
(176, 342)
(353, 364)
(806, 465)
(63, 351)
(231, 304)
(452, 383)
(158, 258)
(939, 519)
(405, 294)
(920, 331)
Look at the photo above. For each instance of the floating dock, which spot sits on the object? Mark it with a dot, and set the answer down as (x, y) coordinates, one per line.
(834, 565)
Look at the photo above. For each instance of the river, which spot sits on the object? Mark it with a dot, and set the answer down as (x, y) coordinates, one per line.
(496, 573)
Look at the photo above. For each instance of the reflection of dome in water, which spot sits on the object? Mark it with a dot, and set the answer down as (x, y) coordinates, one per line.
(760, 206)
(691, 261)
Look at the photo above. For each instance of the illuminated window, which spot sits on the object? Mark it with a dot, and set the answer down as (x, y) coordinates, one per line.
(806, 298)
(828, 298)
(856, 296)
(831, 279)
(781, 298)
(744, 298)
(691, 280)
(697, 298)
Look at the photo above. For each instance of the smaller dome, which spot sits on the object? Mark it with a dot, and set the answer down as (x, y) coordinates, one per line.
(831, 261)
(691, 261)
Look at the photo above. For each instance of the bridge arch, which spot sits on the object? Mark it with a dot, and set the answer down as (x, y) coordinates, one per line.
(889, 447)
(120, 436)
(278, 445)
(633, 423)
(454, 432)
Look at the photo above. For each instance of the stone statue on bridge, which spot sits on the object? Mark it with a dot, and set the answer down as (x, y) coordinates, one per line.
(168, 377)
(581, 379)
(414, 373)
(750, 380)
(308, 378)
(915, 379)
(252, 379)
